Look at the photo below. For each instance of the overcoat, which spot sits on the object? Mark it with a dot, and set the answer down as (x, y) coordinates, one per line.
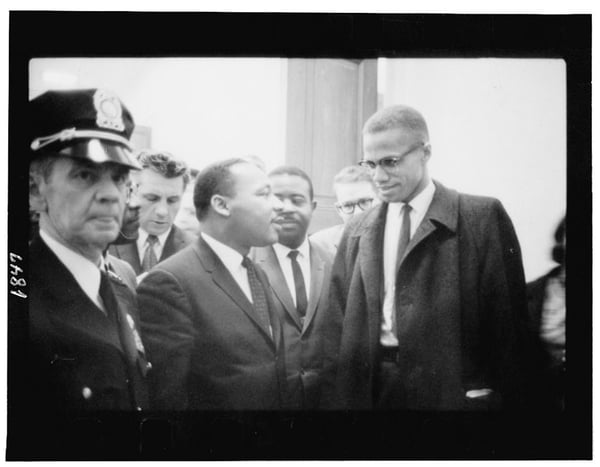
(208, 347)
(461, 307)
(303, 338)
(176, 240)
(84, 359)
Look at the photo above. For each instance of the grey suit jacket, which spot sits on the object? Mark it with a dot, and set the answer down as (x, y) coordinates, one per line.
(176, 241)
(303, 338)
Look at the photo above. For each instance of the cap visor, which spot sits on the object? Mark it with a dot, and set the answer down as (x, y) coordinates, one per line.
(100, 151)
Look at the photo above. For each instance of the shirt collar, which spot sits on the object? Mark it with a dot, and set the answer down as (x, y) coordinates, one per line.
(231, 258)
(282, 251)
(85, 272)
(143, 237)
(419, 204)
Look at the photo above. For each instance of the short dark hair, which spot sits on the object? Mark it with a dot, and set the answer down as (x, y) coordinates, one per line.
(293, 170)
(216, 179)
(165, 164)
(397, 116)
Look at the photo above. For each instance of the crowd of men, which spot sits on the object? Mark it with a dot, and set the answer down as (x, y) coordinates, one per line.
(417, 301)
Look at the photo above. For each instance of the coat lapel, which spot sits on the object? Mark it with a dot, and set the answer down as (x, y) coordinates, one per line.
(267, 259)
(71, 307)
(224, 280)
(128, 252)
(371, 262)
(443, 211)
(317, 273)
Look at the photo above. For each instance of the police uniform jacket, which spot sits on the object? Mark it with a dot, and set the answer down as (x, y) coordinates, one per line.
(81, 359)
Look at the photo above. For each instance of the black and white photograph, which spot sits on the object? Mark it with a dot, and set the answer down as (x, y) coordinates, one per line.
(299, 236)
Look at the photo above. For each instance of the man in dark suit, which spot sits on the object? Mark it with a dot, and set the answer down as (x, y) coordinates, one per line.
(428, 287)
(159, 188)
(85, 352)
(299, 272)
(207, 313)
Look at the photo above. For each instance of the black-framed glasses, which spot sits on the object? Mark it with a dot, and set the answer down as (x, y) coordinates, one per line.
(348, 208)
(389, 162)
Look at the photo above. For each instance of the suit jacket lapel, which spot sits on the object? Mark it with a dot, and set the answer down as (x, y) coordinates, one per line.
(267, 259)
(129, 252)
(224, 280)
(317, 273)
(371, 263)
(171, 244)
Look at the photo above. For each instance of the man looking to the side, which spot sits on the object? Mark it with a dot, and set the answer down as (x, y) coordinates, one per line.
(207, 312)
(298, 271)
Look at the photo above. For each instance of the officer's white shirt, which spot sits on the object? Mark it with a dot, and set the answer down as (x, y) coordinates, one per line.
(85, 272)
(393, 226)
(158, 246)
(303, 258)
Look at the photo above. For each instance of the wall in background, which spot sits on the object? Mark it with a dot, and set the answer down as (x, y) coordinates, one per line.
(200, 109)
(497, 128)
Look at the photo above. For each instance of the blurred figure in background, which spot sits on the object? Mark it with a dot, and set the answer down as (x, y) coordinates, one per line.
(354, 191)
(159, 188)
(186, 218)
(547, 316)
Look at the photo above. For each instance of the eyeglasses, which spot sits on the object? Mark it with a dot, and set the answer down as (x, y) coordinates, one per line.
(348, 208)
(389, 163)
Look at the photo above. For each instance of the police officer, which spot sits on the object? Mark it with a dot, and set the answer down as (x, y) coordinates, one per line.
(85, 351)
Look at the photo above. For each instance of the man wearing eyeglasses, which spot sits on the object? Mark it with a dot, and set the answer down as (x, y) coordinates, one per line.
(355, 193)
(428, 287)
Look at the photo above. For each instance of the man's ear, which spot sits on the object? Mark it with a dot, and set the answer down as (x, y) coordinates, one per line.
(314, 204)
(37, 200)
(220, 205)
(427, 151)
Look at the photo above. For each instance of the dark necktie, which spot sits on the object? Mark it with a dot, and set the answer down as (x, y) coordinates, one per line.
(404, 234)
(149, 255)
(301, 301)
(259, 297)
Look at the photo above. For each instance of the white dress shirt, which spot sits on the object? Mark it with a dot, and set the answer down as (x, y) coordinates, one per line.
(158, 246)
(393, 226)
(303, 258)
(232, 261)
(85, 272)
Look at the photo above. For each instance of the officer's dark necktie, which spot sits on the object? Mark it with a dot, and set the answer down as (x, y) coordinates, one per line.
(114, 314)
(301, 301)
(150, 255)
(259, 296)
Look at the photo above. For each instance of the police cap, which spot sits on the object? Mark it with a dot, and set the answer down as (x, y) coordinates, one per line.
(88, 124)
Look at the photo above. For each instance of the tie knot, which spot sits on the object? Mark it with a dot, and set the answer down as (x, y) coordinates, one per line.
(293, 254)
(152, 239)
(246, 262)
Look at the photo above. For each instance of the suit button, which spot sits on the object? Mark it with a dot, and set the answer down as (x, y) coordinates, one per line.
(148, 366)
(138, 408)
(87, 393)
(302, 372)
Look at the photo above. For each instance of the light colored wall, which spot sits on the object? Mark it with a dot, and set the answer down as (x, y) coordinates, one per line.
(497, 128)
(199, 109)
